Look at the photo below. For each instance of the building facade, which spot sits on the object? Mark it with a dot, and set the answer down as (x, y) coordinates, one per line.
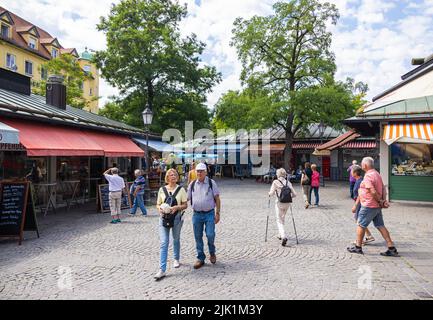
(401, 118)
(25, 48)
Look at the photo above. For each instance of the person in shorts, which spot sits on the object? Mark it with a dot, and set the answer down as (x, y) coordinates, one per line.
(371, 196)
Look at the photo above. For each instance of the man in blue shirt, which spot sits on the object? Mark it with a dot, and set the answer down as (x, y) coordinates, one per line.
(137, 193)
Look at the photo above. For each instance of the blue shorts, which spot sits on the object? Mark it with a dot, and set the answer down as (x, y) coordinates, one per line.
(366, 215)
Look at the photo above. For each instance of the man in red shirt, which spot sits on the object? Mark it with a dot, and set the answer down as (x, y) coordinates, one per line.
(371, 194)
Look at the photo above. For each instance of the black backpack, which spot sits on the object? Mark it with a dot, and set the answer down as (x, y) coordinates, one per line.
(285, 194)
(170, 199)
(193, 184)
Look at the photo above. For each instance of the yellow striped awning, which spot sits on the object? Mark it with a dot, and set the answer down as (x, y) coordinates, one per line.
(408, 132)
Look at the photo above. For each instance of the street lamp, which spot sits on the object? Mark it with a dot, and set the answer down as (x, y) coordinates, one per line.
(322, 128)
(147, 120)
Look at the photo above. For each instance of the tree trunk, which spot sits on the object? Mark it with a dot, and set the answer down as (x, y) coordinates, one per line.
(150, 94)
(288, 149)
(288, 141)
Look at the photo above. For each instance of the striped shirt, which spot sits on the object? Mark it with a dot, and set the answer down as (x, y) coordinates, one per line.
(203, 197)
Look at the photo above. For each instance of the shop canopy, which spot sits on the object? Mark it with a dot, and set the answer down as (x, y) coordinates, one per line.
(8, 134)
(41, 140)
(408, 133)
(228, 148)
(159, 146)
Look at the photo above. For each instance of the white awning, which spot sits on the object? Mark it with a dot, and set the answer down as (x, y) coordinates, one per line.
(8, 134)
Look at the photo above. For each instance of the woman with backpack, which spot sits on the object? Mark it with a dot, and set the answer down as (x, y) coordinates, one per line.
(172, 201)
(284, 192)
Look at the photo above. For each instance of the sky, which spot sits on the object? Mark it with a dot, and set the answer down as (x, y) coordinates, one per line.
(374, 40)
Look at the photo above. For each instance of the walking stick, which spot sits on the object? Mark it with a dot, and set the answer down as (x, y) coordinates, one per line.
(267, 219)
(294, 226)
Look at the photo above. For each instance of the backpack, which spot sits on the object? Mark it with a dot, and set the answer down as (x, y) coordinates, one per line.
(193, 184)
(170, 199)
(285, 194)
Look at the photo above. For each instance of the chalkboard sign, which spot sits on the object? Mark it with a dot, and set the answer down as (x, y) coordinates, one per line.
(104, 199)
(16, 210)
(31, 223)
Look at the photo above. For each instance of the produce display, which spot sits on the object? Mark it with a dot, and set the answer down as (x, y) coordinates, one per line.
(413, 168)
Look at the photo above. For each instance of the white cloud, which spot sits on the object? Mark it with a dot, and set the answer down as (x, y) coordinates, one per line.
(370, 43)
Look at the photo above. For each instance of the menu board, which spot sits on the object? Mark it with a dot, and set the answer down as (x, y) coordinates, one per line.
(104, 199)
(16, 210)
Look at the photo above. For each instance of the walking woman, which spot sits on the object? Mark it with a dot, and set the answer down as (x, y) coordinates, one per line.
(315, 184)
(177, 197)
(306, 184)
(281, 208)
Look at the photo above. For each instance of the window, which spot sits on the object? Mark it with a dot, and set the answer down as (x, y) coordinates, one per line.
(11, 62)
(44, 73)
(32, 43)
(90, 92)
(54, 52)
(411, 159)
(87, 68)
(5, 31)
(29, 67)
(81, 86)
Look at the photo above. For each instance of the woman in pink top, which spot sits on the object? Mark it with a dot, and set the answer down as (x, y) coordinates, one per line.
(315, 183)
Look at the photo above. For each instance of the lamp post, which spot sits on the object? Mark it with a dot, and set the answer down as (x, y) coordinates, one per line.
(322, 128)
(147, 120)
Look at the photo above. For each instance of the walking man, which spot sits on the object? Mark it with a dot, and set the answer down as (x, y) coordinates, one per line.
(371, 196)
(137, 192)
(115, 185)
(204, 196)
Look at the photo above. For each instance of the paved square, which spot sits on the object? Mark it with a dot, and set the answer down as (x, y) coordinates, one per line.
(81, 256)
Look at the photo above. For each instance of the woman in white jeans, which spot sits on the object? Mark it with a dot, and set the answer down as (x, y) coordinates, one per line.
(281, 208)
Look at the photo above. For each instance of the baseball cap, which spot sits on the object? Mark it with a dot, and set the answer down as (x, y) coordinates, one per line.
(201, 166)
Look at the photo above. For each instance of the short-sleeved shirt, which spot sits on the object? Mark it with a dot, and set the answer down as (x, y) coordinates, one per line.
(356, 188)
(372, 179)
(180, 197)
(140, 183)
(203, 197)
(115, 183)
(315, 179)
(351, 178)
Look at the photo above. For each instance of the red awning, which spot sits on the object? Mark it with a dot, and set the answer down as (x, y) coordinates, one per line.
(45, 140)
(339, 141)
(115, 145)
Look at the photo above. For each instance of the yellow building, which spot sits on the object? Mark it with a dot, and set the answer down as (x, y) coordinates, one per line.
(24, 48)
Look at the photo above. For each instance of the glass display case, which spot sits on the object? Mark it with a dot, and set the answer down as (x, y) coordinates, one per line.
(411, 159)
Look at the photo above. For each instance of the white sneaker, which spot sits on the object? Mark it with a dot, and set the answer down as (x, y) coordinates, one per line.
(176, 264)
(159, 275)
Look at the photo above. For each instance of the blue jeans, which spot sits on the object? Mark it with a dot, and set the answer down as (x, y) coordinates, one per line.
(204, 221)
(139, 202)
(316, 194)
(164, 236)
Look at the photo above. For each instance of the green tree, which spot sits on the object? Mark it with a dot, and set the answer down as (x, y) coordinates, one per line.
(149, 61)
(74, 77)
(288, 54)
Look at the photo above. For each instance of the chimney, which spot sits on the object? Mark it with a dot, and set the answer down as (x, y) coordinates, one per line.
(56, 92)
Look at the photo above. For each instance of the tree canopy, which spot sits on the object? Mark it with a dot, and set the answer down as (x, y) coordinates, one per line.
(287, 58)
(152, 64)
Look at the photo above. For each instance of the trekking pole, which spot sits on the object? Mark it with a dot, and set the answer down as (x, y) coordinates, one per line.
(294, 226)
(267, 219)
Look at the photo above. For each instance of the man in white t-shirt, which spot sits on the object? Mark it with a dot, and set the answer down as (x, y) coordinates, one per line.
(115, 185)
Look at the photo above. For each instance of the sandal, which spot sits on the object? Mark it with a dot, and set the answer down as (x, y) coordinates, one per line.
(368, 240)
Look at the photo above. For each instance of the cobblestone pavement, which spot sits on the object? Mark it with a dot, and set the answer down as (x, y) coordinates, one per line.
(107, 261)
